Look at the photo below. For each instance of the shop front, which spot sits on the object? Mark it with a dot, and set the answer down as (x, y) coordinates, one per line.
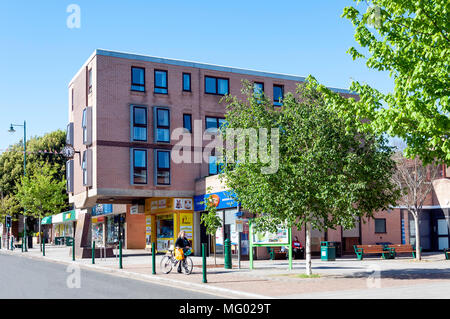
(108, 224)
(234, 223)
(64, 225)
(165, 217)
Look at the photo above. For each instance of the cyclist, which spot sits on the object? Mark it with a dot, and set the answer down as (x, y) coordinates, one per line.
(182, 242)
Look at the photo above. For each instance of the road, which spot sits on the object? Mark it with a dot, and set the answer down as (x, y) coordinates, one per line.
(26, 278)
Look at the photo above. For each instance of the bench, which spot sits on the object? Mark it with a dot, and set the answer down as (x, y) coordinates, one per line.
(399, 248)
(447, 253)
(385, 252)
(276, 253)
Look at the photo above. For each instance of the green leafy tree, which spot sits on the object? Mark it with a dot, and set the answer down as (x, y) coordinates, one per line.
(410, 40)
(327, 172)
(42, 194)
(211, 220)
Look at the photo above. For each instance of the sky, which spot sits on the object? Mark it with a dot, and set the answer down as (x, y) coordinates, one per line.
(41, 51)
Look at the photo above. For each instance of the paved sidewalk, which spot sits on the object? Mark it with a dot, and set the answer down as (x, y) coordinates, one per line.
(344, 278)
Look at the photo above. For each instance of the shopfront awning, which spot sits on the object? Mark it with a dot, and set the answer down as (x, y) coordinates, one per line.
(56, 219)
(46, 220)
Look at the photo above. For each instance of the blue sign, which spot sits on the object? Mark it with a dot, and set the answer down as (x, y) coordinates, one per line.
(102, 209)
(224, 200)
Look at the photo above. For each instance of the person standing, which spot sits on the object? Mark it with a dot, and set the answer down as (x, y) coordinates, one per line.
(183, 243)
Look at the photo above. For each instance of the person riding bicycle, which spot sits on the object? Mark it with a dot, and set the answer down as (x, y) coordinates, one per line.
(182, 242)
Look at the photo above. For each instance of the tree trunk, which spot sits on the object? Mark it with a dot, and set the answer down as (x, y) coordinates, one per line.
(416, 224)
(308, 249)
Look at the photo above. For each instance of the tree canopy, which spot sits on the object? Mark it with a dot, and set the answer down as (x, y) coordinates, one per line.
(410, 40)
(327, 172)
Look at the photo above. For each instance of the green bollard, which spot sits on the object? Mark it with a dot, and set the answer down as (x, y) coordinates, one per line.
(73, 249)
(93, 252)
(153, 260)
(227, 257)
(43, 247)
(120, 254)
(204, 262)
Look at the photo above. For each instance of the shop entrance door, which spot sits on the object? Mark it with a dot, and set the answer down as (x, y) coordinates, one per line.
(442, 233)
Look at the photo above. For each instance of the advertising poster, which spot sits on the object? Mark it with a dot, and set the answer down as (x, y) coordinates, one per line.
(186, 224)
(148, 230)
(279, 237)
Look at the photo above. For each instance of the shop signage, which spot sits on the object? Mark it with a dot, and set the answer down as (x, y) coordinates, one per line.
(183, 203)
(222, 200)
(102, 209)
(134, 210)
(167, 204)
(69, 216)
(46, 220)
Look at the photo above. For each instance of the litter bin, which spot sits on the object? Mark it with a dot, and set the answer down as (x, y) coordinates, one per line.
(338, 249)
(327, 251)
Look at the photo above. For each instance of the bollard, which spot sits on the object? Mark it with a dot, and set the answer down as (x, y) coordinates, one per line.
(227, 257)
(73, 249)
(120, 254)
(153, 260)
(23, 244)
(93, 252)
(43, 247)
(204, 262)
(0, 242)
(12, 242)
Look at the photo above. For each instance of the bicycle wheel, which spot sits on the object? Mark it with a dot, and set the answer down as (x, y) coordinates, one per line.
(187, 265)
(166, 264)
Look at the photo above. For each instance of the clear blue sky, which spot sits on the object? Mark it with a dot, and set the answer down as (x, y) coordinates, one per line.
(40, 54)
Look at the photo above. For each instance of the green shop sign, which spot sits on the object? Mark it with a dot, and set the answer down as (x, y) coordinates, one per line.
(46, 220)
(69, 216)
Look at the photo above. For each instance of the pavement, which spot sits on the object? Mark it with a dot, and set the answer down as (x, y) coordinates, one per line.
(347, 277)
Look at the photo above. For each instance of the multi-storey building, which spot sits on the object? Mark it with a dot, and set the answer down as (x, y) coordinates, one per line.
(127, 113)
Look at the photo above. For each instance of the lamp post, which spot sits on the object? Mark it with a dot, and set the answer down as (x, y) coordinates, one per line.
(12, 130)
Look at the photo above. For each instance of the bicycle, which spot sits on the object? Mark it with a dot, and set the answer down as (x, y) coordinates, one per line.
(168, 262)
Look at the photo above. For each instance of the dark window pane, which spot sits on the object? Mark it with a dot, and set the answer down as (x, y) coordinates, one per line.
(222, 122)
(210, 85)
(277, 94)
(160, 82)
(186, 82)
(187, 122)
(212, 165)
(140, 167)
(140, 115)
(140, 158)
(140, 133)
(137, 79)
(222, 86)
(162, 135)
(163, 117)
(163, 159)
(258, 89)
(380, 225)
(211, 122)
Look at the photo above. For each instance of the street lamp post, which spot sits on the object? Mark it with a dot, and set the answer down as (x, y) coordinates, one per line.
(12, 130)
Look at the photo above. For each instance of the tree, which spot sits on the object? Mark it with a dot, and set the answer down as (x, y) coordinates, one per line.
(415, 181)
(41, 194)
(325, 173)
(211, 221)
(410, 39)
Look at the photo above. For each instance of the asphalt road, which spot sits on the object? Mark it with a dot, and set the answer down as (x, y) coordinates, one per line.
(26, 278)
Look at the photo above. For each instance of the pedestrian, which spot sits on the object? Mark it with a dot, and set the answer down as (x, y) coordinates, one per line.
(182, 243)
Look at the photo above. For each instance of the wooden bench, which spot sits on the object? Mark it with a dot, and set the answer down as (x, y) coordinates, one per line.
(399, 248)
(447, 253)
(385, 252)
(276, 253)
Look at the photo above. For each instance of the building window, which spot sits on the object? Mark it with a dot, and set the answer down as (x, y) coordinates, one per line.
(139, 166)
(86, 125)
(69, 176)
(278, 94)
(219, 86)
(380, 225)
(162, 167)
(137, 79)
(139, 123)
(162, 125)
(71, 98)
(187, 122)
(86, 165)
(90, 81)
(187, 82)
(258, 89)
(214, 123)
(160, 82)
